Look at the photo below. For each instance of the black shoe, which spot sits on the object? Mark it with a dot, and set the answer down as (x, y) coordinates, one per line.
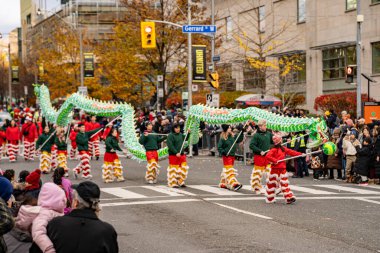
(97, 158)
(237, 187)
(291, 200)
(294, 176)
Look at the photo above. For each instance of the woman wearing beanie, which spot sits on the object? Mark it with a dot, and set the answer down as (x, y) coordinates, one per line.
(150, 140)
(278, 176)
(112, 168)
(13, 137)
(33, 183)
(45, 157)
(61, 144)
(226, 143)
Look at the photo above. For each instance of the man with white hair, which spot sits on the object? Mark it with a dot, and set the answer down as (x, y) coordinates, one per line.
(260, 143)
(81, 230)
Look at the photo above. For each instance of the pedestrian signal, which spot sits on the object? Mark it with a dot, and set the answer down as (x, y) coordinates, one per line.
(349, 74)
(148, 35)
(214, 76)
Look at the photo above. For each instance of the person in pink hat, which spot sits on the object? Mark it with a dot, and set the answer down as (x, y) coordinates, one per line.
(278, 177)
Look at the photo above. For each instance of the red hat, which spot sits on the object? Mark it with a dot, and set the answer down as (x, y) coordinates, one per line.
(33, 179)
(276, 139)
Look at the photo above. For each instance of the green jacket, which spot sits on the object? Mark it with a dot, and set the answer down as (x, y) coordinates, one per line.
(261, 141)
(41, 140)
(61, 145)
(225, 145)
(150, 142)
(112, 144)
(82, 139)
(174, 143)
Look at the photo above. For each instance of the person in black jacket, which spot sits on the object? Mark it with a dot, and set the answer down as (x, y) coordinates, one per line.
(81, 231)
(363, 160)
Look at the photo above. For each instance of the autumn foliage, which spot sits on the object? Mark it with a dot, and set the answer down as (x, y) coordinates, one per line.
(338, 102)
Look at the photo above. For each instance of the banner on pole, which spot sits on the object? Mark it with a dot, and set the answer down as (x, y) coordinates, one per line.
(199, 63)
(89, 66)
(40, 73)
(15, 74)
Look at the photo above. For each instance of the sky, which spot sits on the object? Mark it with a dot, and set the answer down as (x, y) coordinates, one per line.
(10, 12)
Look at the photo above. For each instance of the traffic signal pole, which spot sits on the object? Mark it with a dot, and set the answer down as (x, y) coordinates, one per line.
(359, 19)
(189, 63)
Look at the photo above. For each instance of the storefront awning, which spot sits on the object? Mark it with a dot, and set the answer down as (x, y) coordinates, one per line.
(293, 52)
(334, 45)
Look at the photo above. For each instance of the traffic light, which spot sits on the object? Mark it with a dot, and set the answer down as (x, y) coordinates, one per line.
(148, 35)
(349, 74)
(214, 80)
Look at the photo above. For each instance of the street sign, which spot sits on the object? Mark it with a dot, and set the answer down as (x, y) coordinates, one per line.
(161, 92)
(216, 58)
(185, 95)
(199, 29)
(212, 100)
(194, 87)
(82, 90)
(160, 78)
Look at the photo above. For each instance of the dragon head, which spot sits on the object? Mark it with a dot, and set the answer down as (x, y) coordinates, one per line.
(318, 133)
(37, 89)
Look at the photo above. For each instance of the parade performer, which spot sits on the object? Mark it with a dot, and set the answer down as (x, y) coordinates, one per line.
(112, 168)
(93, 143)
(54, 156)
(178, 169)
(227, 148)
(260, 143)
(2, 141)
(73, 136)
(13, 137)
(61, 144)
(278, 177)
(29, 131)
(150, 141)
(82, 143)
(45, 157)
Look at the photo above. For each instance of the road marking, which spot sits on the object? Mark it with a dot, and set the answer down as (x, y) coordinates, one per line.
(214, 190)
(348, 189)
(310, 190)
(168, 201)
(162, 190)
(244, 212)
(176, 190)
(123, 193)
(369, 200)
(249, 188)
(305, 198)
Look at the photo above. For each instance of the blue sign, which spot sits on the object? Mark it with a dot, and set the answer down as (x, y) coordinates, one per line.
(199, 29)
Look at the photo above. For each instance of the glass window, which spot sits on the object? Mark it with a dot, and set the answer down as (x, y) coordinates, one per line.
(350, 5)
(229, 28)
(376, 58)
(335, 60)
(261, 18)
(253, 78)
(29, 19)
(297, 72)
(301, 11)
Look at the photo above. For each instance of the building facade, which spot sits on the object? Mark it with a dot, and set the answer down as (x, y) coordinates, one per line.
(320, 33)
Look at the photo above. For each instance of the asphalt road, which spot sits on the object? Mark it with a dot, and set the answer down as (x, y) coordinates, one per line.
(329, 216)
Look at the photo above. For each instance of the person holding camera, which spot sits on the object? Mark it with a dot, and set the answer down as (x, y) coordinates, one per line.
(349, 151)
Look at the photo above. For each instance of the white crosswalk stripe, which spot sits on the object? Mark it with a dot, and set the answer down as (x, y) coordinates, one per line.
(161, 191)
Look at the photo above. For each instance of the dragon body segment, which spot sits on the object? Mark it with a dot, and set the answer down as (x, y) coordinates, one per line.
(197, 113)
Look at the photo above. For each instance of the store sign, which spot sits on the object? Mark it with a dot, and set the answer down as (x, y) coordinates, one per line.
(199, 63)
(89, 66)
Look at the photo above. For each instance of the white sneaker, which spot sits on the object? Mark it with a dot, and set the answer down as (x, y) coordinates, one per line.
(150, 182)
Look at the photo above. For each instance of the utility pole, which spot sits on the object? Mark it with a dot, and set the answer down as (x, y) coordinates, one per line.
(359, 20)
(213, 35)
(189, 67)
(10, 73)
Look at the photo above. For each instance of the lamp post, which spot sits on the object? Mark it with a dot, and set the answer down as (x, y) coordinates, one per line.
(79, 37)
(9, 70)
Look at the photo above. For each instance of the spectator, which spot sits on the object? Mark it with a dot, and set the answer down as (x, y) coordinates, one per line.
(334, 162)
(364, 156)
(81, 230)
(349, 150)
(19, 187)
(33, 183)
(10, 175)
(6, 219)
(65, 184)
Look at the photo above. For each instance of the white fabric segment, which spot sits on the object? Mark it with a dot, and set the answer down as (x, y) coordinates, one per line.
(214, 190)
(123, 193)
(309, 190)
(349, 189)
(162, 190)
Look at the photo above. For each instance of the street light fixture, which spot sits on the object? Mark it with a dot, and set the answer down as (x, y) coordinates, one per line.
(76, 28)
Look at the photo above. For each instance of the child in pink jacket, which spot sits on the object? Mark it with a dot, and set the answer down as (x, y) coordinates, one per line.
(52, 200)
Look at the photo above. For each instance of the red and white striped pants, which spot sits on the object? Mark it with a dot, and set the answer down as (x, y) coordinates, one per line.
(29, 150)
(278, 178)
(84, 165)
(12, 147)
(94, 146)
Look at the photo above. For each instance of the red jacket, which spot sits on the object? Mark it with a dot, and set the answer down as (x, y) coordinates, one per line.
(39, 130)
(2, 137)
(13, 133)
(31, 130)
(73, 136)
(276, 154)
(92, 126)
